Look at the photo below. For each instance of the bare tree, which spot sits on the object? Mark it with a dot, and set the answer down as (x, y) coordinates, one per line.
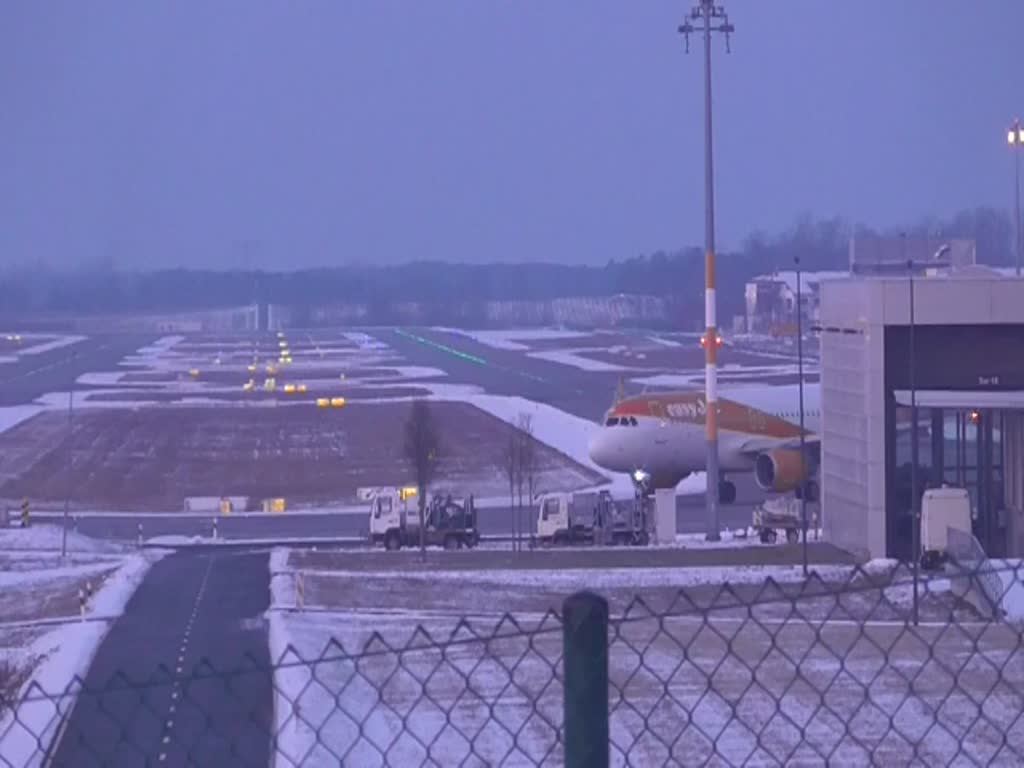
(422, 449)
(527, 458)
(512, 472)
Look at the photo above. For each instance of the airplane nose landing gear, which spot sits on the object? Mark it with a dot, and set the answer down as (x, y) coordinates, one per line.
(726, 492)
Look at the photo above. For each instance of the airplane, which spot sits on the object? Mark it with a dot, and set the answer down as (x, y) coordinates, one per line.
(659, 438)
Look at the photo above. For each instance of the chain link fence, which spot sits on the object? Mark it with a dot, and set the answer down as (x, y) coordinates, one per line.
(806, 673)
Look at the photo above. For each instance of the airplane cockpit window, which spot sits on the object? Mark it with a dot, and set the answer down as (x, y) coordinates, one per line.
(613, 421)
(633, 422)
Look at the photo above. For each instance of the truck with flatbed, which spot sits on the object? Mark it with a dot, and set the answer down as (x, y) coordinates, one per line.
(591, 518)
(450, 522)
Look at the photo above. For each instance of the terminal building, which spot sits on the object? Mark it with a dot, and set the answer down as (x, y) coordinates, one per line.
(955, 338)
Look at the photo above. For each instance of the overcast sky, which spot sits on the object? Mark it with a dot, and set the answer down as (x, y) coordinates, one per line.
(296, 133)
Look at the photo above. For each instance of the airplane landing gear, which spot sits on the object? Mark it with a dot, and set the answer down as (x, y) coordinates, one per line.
(726, 492)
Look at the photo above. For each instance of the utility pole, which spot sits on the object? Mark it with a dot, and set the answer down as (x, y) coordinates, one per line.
(800, 374)
(915, 511)
(70, 462)
(712, 18)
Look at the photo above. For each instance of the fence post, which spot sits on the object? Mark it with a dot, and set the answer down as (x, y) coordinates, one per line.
(585, 660)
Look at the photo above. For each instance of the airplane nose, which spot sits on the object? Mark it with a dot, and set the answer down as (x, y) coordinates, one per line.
(602, 452)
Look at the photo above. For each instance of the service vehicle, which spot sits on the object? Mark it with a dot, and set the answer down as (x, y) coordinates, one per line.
(591, 518)
(394, 519)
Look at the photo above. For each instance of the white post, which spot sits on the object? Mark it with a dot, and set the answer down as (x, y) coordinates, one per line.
(140, 535)
(665, 515)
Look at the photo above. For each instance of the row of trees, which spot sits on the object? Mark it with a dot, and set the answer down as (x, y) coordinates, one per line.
(820, 244)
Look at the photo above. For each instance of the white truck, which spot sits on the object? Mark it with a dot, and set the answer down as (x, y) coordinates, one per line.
(590, 518)
(395, 522)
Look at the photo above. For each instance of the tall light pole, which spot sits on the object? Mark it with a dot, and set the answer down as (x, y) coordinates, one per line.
(800, 375)
(70, 457)
(1015, 138)
(713, 19)
(915, 520)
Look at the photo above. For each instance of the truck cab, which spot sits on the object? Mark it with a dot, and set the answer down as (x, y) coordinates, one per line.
(389, 514)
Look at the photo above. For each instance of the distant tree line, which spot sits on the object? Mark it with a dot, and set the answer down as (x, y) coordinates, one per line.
(456, 292)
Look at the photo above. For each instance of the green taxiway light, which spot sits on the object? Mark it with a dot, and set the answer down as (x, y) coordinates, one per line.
(442, 347)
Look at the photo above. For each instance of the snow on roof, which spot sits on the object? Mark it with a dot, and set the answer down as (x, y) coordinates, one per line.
(808, 280)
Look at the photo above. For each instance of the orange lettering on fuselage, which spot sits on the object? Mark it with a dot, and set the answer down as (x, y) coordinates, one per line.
(688, 411)
(693, 410)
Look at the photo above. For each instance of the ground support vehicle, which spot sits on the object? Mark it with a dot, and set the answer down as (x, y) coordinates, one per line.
(394, 519)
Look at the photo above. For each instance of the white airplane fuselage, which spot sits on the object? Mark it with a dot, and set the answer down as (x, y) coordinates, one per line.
(663, 434)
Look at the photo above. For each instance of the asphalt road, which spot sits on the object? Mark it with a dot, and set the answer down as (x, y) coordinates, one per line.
(173, 682)
(32, 376)
(493, 521)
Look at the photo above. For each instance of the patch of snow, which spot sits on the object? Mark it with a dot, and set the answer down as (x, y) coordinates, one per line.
(14, 579)
(573, 358)
(27, 732)
(173, 540)
(294, 739)
(13, 415)
(365, 341)
(100, 378)
(409, 372)
(1011, 575)
(563, 431)
(570, 579)
(47, 538)
(49, 346)
(664, 342)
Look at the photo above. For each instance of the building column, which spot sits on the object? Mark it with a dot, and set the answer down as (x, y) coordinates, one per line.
(1013, 481)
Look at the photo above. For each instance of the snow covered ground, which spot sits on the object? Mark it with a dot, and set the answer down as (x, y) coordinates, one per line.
(45, 640)
(13, 415)
(48, 346)
(451, 669)
(575, 359)
(511, 340)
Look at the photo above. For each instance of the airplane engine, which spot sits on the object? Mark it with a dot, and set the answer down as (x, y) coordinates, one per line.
(783, 469)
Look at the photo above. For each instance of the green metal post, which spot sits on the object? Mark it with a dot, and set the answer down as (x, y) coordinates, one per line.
(585, 660)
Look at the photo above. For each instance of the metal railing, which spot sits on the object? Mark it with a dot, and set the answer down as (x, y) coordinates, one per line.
(828, 670)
